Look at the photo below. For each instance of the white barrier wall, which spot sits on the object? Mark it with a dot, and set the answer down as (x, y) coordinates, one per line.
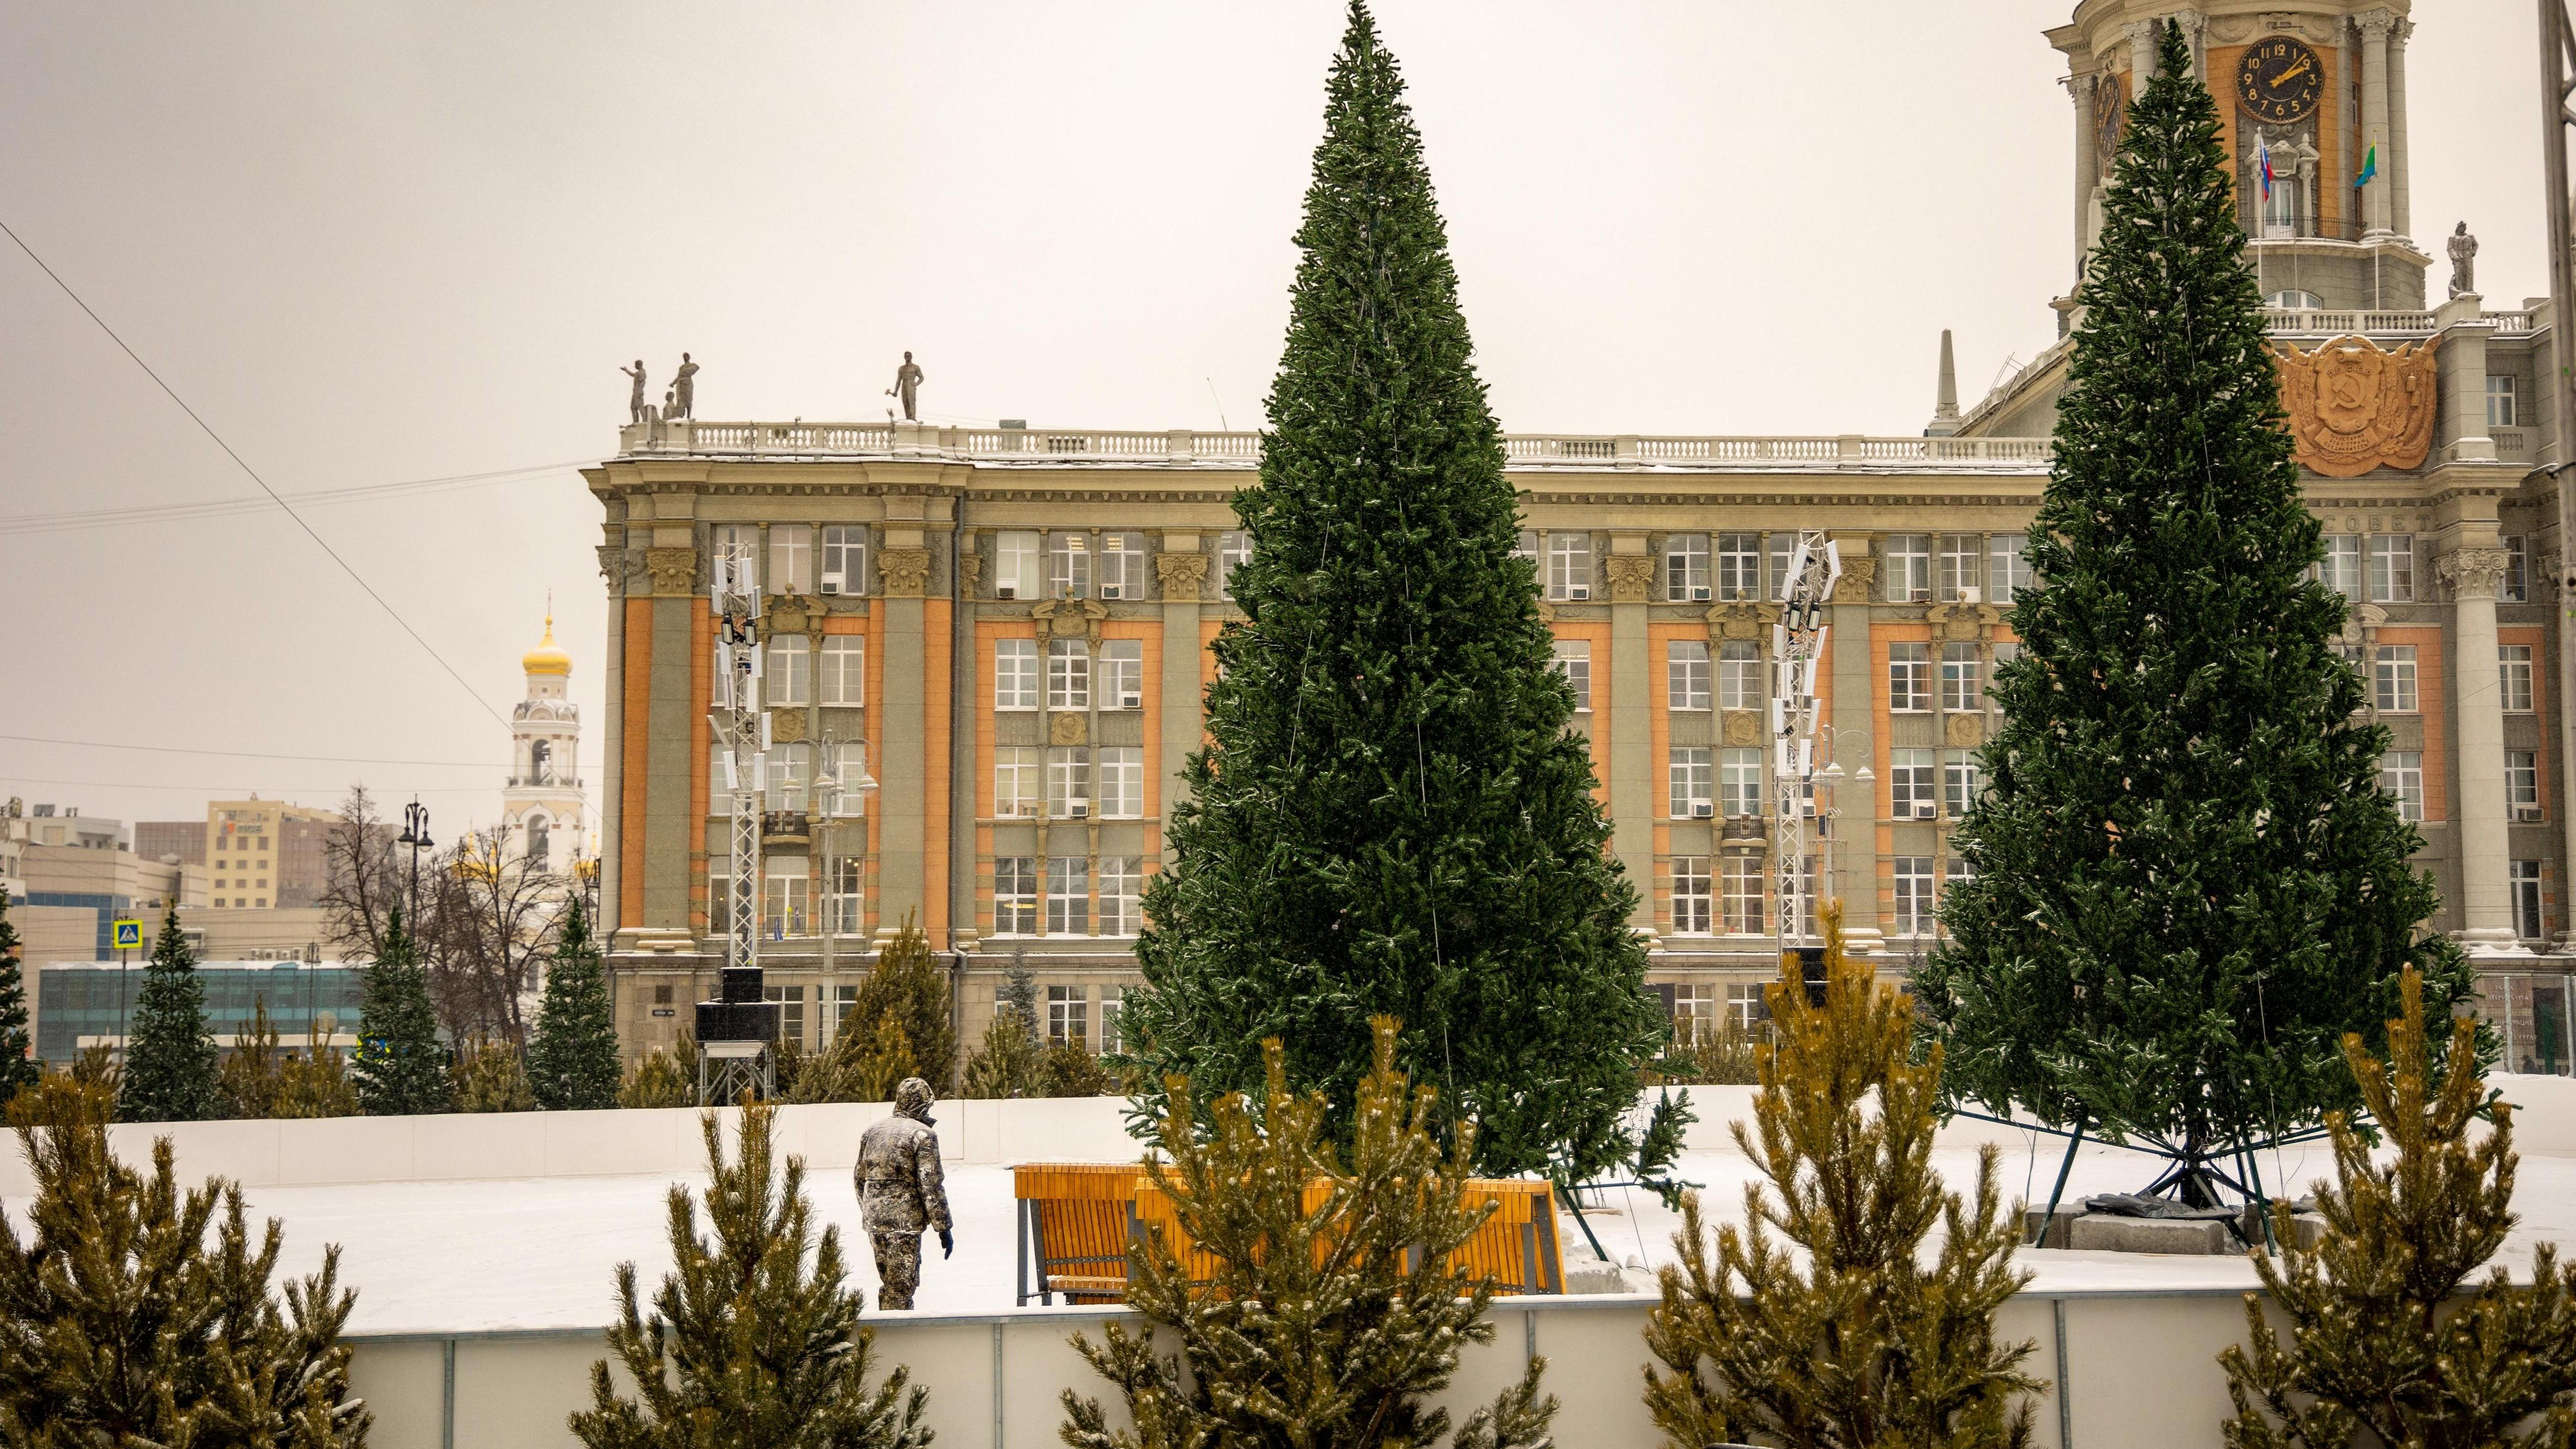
(2141, 1373)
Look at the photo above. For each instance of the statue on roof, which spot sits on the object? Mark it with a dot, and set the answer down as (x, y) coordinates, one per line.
(684, 390)
(2464, 260)
(907, 386)
(635, 404)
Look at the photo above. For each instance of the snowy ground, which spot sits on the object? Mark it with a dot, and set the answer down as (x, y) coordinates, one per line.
(459, 1257)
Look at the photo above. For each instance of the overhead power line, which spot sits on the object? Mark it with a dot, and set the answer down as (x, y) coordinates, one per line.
(218, 789)
(222, 507)
(253, 473)
(250, 755)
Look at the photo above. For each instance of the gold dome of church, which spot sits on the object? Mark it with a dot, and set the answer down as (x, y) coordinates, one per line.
(546, 658)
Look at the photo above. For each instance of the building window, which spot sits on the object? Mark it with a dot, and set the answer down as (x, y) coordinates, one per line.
(1911, 784)
(1959, 558)
(1691, 898)
(1913, 876)
(2392, 568)
(2294, 301)
(2522, 784)
(2513, 676)
(1122, 565)
(2401, 777)
(782, 913)
(1686, 674)
(1525, 546)
(1692, 797)
(848, 761)
(1739, 782)
(1015, 674)
(791, 1011)
(1015, 781)
(845, 559)
(845, 670)
(2392, 676)
(2523, 880)
(1122, 782)
(537, 842)
(1740, 894)
(791, 558)
(1781, 547)
(1960, 676)
(2517, 570)
(734, 548)
(1068, 899)
(1909, 567)
(1122, 674)
(790, 772)
(1112, 1006)
(848, 901)
(1068, 1016)
(1068, 566)
(790, 667)
(1694, 1014)
(1122, 885)
(1909, 678)
(1569, 566)
(1686, 567)
(1739, 566)
(2006, 651)
(2501, 412)
(2010, 571)
(1068, 674)
(1068, 783)
(1747, 1005)
(1739, 675)
(836, 1014)
(1960, 785)
(1574, 661)
(1015, 896)
(1233, 551)
(1015, 564)
(2340, 569)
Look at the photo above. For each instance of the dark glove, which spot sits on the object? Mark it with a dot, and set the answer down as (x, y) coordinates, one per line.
(947, 1243)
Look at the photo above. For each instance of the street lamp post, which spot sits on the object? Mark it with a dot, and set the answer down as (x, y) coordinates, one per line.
(416, 835)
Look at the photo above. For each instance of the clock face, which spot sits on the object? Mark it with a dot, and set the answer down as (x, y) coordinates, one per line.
(2109, 104)
(2279, 80)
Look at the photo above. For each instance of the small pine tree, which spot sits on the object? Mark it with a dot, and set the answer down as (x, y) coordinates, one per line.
(141, 1315)
(1320, 1323)
(908, 985)
(657, 1081)
(1068, 1069)
(400, 1070)
(2188, 884)
(18, 1065)
(253, 1075)
(1847, 1343)
(754, 1331)
(316, 1084)
(1008, 1062)
(2381, 1337)
(573, 1060)
(171, 1062)
(487, 1077)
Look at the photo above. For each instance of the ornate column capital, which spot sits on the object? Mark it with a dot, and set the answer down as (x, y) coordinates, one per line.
(905, 572)
(1629, 576)
(2471, 573)
(1859, 572)
(674, 570)
(1182, 575)
(613, 566)
(2375, 26)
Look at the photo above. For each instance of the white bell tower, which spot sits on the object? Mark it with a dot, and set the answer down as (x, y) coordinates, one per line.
(543, 804)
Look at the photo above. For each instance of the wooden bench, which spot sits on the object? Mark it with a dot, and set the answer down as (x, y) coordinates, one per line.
(1516, 1245)
(1075, 1222)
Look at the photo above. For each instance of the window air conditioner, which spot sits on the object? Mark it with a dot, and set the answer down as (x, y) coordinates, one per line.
(1578, 591)
(1006, 591)
(1077, 809)
(1699, 594)
(1109, 591)
(1131, 701)
(2526, 812)
(1702, 809)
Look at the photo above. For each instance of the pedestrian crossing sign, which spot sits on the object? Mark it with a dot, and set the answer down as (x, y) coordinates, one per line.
(129, 935)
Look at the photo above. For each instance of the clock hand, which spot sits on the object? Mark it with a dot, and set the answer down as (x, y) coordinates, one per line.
(2291, 74)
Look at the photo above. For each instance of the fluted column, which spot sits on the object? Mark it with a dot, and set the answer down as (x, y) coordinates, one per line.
(1855, 713)
(1629, 572)
(2375, 26)
(2478, 814)
(2398, 160)
(2088, 161)
(2142, 55)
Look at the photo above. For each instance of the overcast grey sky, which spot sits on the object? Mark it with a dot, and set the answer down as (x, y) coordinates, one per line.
(389, 242)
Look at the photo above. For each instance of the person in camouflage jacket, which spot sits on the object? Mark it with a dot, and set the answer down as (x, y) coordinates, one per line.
(900, 1193)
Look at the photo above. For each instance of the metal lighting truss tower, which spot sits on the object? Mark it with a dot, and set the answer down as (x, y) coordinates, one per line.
(1797, 641)
(2557, 62)
(741, 727)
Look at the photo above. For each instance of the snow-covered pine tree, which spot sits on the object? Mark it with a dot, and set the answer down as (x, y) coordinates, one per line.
(657, 1081)
(1391, 815)
(2381, 1337)
(1323, 1324)
(2188, 885)
(488, 1077)
(18, 1064)
(1841, 1338)
(908, 986)
(251, 1078)
(400, 1070)
(753, 1330)
(170, 1057)
(573, 1059)
(1009, 1060)
(139, 1314)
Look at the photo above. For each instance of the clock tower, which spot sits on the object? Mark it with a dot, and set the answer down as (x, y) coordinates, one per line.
(2312, 110)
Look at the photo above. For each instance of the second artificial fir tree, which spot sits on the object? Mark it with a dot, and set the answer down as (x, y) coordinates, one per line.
(2187, 884)
(573, 1062)
(171, 1063)
(18, 1064)
(1391, 815)
(400, 1070)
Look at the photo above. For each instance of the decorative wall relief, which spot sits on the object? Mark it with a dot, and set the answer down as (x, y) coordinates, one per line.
(2354, 407)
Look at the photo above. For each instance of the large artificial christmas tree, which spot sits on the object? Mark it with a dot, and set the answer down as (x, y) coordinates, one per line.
(753, 1340)
(1391, 815)
(171, 1063)
(400, 1070)
(141, 1315)
(1843, 1337)
(18, 1064)
(2382, 1336)
(1317, 1303)
(2187, 885)
(573, 1062)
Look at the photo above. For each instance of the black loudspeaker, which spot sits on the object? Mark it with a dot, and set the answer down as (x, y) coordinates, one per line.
(741, 985)
(737, 1020)
(1811, 970)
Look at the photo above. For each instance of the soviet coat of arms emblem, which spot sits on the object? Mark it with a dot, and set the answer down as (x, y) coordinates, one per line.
(2354, 407)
